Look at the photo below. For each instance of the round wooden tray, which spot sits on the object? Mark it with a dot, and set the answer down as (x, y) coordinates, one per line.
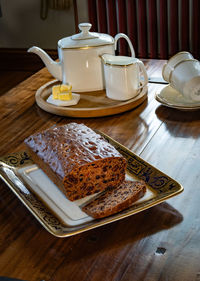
(91, 104)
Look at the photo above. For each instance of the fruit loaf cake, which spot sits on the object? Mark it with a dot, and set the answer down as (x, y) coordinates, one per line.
(78, 160)
(116, 199)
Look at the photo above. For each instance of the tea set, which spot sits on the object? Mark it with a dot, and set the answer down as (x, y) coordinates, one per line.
(88, 62)
(182, 72)
(82, 61)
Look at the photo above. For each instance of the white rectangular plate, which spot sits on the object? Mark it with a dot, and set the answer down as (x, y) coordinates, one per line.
(62, 217)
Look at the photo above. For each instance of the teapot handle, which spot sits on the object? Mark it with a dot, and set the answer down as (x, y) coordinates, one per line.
(122, 35)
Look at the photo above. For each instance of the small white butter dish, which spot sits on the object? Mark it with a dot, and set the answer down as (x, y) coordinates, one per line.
(75, 99)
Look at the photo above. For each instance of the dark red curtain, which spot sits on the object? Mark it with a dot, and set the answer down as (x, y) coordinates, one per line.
(154, 32)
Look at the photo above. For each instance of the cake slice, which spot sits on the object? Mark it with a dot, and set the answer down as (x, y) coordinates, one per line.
(77, 159)
(116, 199)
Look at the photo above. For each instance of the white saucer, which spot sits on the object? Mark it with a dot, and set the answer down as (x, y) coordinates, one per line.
(75, 99)
(168, 96)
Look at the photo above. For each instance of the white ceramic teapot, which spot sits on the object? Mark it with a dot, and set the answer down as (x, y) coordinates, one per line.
(80, 58)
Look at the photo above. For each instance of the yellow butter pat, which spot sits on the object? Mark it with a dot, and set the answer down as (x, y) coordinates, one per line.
(55, 91)
(62, 92)
(65, 96)
(65, 88)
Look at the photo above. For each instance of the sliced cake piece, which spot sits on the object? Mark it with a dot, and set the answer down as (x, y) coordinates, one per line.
(116, 199)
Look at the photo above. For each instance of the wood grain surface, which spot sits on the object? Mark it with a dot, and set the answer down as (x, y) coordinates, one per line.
(159, 244)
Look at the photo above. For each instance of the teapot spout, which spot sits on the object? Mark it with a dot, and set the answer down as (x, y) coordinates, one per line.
(53, 67)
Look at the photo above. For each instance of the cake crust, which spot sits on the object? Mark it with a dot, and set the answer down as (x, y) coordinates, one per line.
(78, 160)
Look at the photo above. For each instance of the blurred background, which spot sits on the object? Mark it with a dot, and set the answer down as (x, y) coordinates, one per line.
(38, 22)
(158, 29)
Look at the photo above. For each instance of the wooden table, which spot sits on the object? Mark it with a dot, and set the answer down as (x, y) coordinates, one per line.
(161, 243)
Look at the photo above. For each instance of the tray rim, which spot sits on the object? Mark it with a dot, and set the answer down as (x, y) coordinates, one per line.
(89, 112)
(51, 223)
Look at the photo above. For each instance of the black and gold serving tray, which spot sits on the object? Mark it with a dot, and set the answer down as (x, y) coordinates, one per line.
(58, 217)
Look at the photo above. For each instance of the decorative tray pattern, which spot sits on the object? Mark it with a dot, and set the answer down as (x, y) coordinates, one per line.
(14, 171)
(91, 104)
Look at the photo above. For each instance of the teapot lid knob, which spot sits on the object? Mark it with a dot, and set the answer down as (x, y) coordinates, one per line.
(84, 34)
(85, 27)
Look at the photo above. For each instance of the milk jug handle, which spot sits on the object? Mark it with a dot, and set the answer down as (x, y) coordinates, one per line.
(122, 35)
(143, 70)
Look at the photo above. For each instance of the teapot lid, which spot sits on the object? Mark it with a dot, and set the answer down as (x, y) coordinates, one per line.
(85, 38)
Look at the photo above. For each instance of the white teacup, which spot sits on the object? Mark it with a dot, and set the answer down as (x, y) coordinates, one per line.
(185, 78)
(123, 76)
(172, 62)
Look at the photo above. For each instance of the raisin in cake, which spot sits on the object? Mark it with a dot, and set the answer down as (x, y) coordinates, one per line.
(115, 199)
(78, 160)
